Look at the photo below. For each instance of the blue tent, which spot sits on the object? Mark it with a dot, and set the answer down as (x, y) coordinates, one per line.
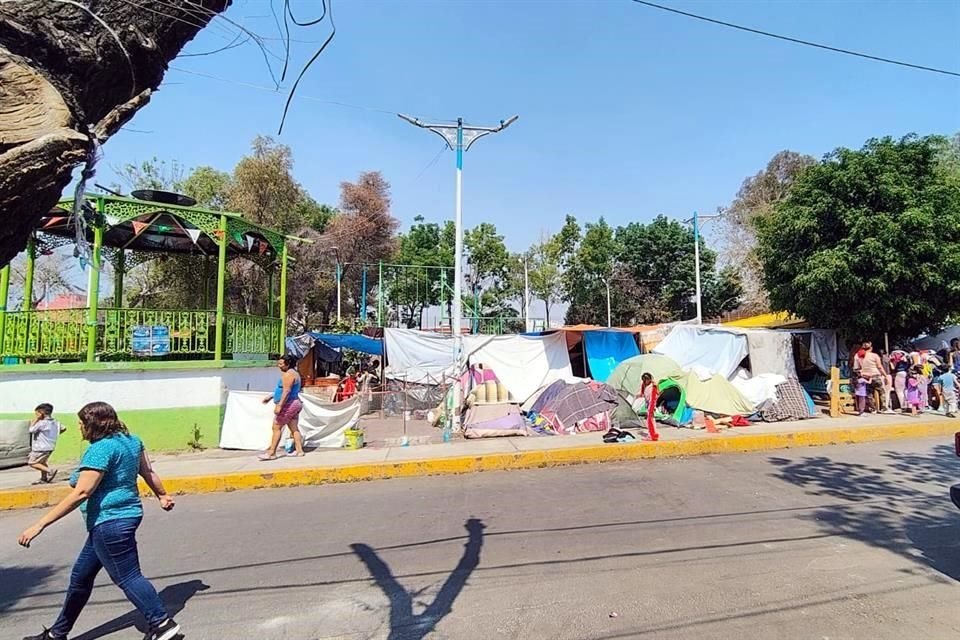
(607, 349)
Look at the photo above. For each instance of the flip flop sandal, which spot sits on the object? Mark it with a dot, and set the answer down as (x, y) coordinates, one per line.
(266, 458)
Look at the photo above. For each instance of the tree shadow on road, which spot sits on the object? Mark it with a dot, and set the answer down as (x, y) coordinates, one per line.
(174, 597)
(901, 504)
(22, 582)
(404, 624)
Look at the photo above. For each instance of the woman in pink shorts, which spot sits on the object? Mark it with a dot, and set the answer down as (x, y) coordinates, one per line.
(286, 397)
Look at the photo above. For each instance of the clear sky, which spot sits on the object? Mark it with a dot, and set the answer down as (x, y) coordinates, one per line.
(625, 111)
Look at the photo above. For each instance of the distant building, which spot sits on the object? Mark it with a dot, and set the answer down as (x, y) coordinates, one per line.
(64, 301)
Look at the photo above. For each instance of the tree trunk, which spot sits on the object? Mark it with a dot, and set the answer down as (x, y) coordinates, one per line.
(68, 85)
(546, 306)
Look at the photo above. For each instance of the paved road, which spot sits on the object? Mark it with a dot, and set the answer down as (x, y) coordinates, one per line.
(840, 542)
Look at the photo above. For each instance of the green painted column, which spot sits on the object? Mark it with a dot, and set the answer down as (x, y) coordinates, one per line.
(28, 273)
(223, 239)
(93, 286)
(283, 298)
(270, 297)
(4, 291)
(121, 270)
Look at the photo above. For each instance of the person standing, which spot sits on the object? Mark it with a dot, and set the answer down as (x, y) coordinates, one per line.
(947, 382)
(649, 390)
(871, 367)
(286, 413)
(44, 431)
(105, 489)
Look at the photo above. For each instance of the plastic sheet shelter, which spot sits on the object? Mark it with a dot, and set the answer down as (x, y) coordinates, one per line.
(606, 349)
(721, 350)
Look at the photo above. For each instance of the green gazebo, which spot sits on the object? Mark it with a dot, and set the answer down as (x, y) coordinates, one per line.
(128, 232)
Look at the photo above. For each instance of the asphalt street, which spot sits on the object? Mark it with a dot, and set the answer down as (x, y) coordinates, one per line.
(827, 543)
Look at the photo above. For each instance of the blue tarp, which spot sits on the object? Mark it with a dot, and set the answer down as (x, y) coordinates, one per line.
(348, 341)
(607, 349)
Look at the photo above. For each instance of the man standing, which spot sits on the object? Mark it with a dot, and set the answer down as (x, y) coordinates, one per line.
(871, 367)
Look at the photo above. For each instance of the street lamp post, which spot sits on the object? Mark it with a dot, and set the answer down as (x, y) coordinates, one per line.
(339, 273)
(459, 138)
(696, 260)
(606, 283)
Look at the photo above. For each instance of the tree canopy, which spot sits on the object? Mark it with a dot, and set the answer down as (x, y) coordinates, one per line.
(868, 240)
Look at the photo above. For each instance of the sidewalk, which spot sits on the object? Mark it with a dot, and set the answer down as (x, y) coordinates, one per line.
(218, 470)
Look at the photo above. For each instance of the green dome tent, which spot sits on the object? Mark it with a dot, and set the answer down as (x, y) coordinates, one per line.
(626, 377)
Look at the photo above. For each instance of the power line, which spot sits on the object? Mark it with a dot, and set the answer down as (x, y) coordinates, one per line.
(797, 40)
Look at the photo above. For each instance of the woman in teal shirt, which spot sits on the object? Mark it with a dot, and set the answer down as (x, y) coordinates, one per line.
(105, 489)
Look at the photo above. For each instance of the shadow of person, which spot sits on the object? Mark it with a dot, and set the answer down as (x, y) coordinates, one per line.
(404, 625)
(174, 597)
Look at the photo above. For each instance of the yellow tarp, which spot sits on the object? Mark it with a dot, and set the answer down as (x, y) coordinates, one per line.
(768, 321)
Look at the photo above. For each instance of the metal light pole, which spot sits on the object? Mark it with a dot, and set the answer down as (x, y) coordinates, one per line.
(696, 260)
(606, 283)
(526, 296)
(339, 273)
(459, 138)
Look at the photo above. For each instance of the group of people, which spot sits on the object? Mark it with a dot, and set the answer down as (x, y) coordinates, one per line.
(917, 381)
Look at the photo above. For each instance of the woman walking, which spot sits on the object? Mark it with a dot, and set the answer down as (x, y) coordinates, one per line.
(286, 397)
(105, 489)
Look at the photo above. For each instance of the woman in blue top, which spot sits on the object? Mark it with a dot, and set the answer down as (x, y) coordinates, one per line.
(286, 412)
(105, 489)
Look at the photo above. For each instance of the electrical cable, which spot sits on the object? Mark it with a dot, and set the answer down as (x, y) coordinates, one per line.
(797, 40)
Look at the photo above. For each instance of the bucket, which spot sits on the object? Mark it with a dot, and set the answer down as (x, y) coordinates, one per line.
(354, 439)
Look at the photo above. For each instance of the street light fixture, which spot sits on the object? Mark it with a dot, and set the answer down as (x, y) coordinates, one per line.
(696, 259)
(458, 137)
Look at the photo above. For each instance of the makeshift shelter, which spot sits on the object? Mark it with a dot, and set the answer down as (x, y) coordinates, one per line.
(626, 377)
(793, 403)
(580, 406)
(492, 421)
(522, 363)
(721, 350)
(716, 395)
(606, 349)
(672, 402)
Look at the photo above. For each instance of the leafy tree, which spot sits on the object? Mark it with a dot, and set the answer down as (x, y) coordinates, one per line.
(489, 263)
(588, 267)
(413, 289)
(757, 197)
(868, 240)
(660, 257)
(545, 274)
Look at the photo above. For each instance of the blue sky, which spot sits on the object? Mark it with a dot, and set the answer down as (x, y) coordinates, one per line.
(625, 111)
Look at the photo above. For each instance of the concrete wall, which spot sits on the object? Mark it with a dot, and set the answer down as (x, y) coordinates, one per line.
(161, 405)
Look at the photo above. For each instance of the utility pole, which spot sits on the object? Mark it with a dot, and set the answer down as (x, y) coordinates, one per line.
(696, 259)
(459, 137)
(526, 296)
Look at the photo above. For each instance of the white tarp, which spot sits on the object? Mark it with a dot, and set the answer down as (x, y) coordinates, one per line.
(760, 390)
(720, 350)
(247, 422)
(522, 363)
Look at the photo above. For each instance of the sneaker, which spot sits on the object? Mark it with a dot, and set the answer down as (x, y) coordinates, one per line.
(51, 476)
(166, 630)
(46, 635)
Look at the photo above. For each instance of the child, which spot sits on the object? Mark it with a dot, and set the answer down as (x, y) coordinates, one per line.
(914, 400)
(45, 431)
(947, 382)
(860, 391)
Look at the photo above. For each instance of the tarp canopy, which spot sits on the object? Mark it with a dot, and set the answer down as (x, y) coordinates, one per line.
(522, 363)
(721, 349)
(607, 349)
(823, 347)
(359, 343)
(626, 377)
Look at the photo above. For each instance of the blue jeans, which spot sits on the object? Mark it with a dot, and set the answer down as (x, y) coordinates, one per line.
(112, 545)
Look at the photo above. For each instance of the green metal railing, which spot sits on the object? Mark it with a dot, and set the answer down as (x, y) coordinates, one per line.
(63, 334)
(60, 333)
(251, 334)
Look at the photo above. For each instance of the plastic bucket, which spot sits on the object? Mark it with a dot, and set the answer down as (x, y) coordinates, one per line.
(354, 439)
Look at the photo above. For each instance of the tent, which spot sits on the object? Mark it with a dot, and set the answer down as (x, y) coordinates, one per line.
(716, 395)
(523, 364)
(626, 377)
(579, 406)
(721, 349)
(606, 349)
(672, 401)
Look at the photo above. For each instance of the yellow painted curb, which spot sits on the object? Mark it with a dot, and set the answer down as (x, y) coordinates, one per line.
(730, 442)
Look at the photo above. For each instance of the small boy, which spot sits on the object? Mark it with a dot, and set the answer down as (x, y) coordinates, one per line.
(947, 381)
(44, 431)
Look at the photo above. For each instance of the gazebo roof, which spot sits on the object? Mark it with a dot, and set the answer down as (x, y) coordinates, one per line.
(147, 226)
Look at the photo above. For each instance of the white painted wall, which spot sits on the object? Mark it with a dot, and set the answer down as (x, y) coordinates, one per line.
(126, 390)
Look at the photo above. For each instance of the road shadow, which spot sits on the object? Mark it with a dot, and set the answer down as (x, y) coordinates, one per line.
(174, 597)
(900, 504)
(17, 583)
(404, 624)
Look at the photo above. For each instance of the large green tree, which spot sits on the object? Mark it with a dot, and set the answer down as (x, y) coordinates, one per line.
(489, 264)
(868, 240)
